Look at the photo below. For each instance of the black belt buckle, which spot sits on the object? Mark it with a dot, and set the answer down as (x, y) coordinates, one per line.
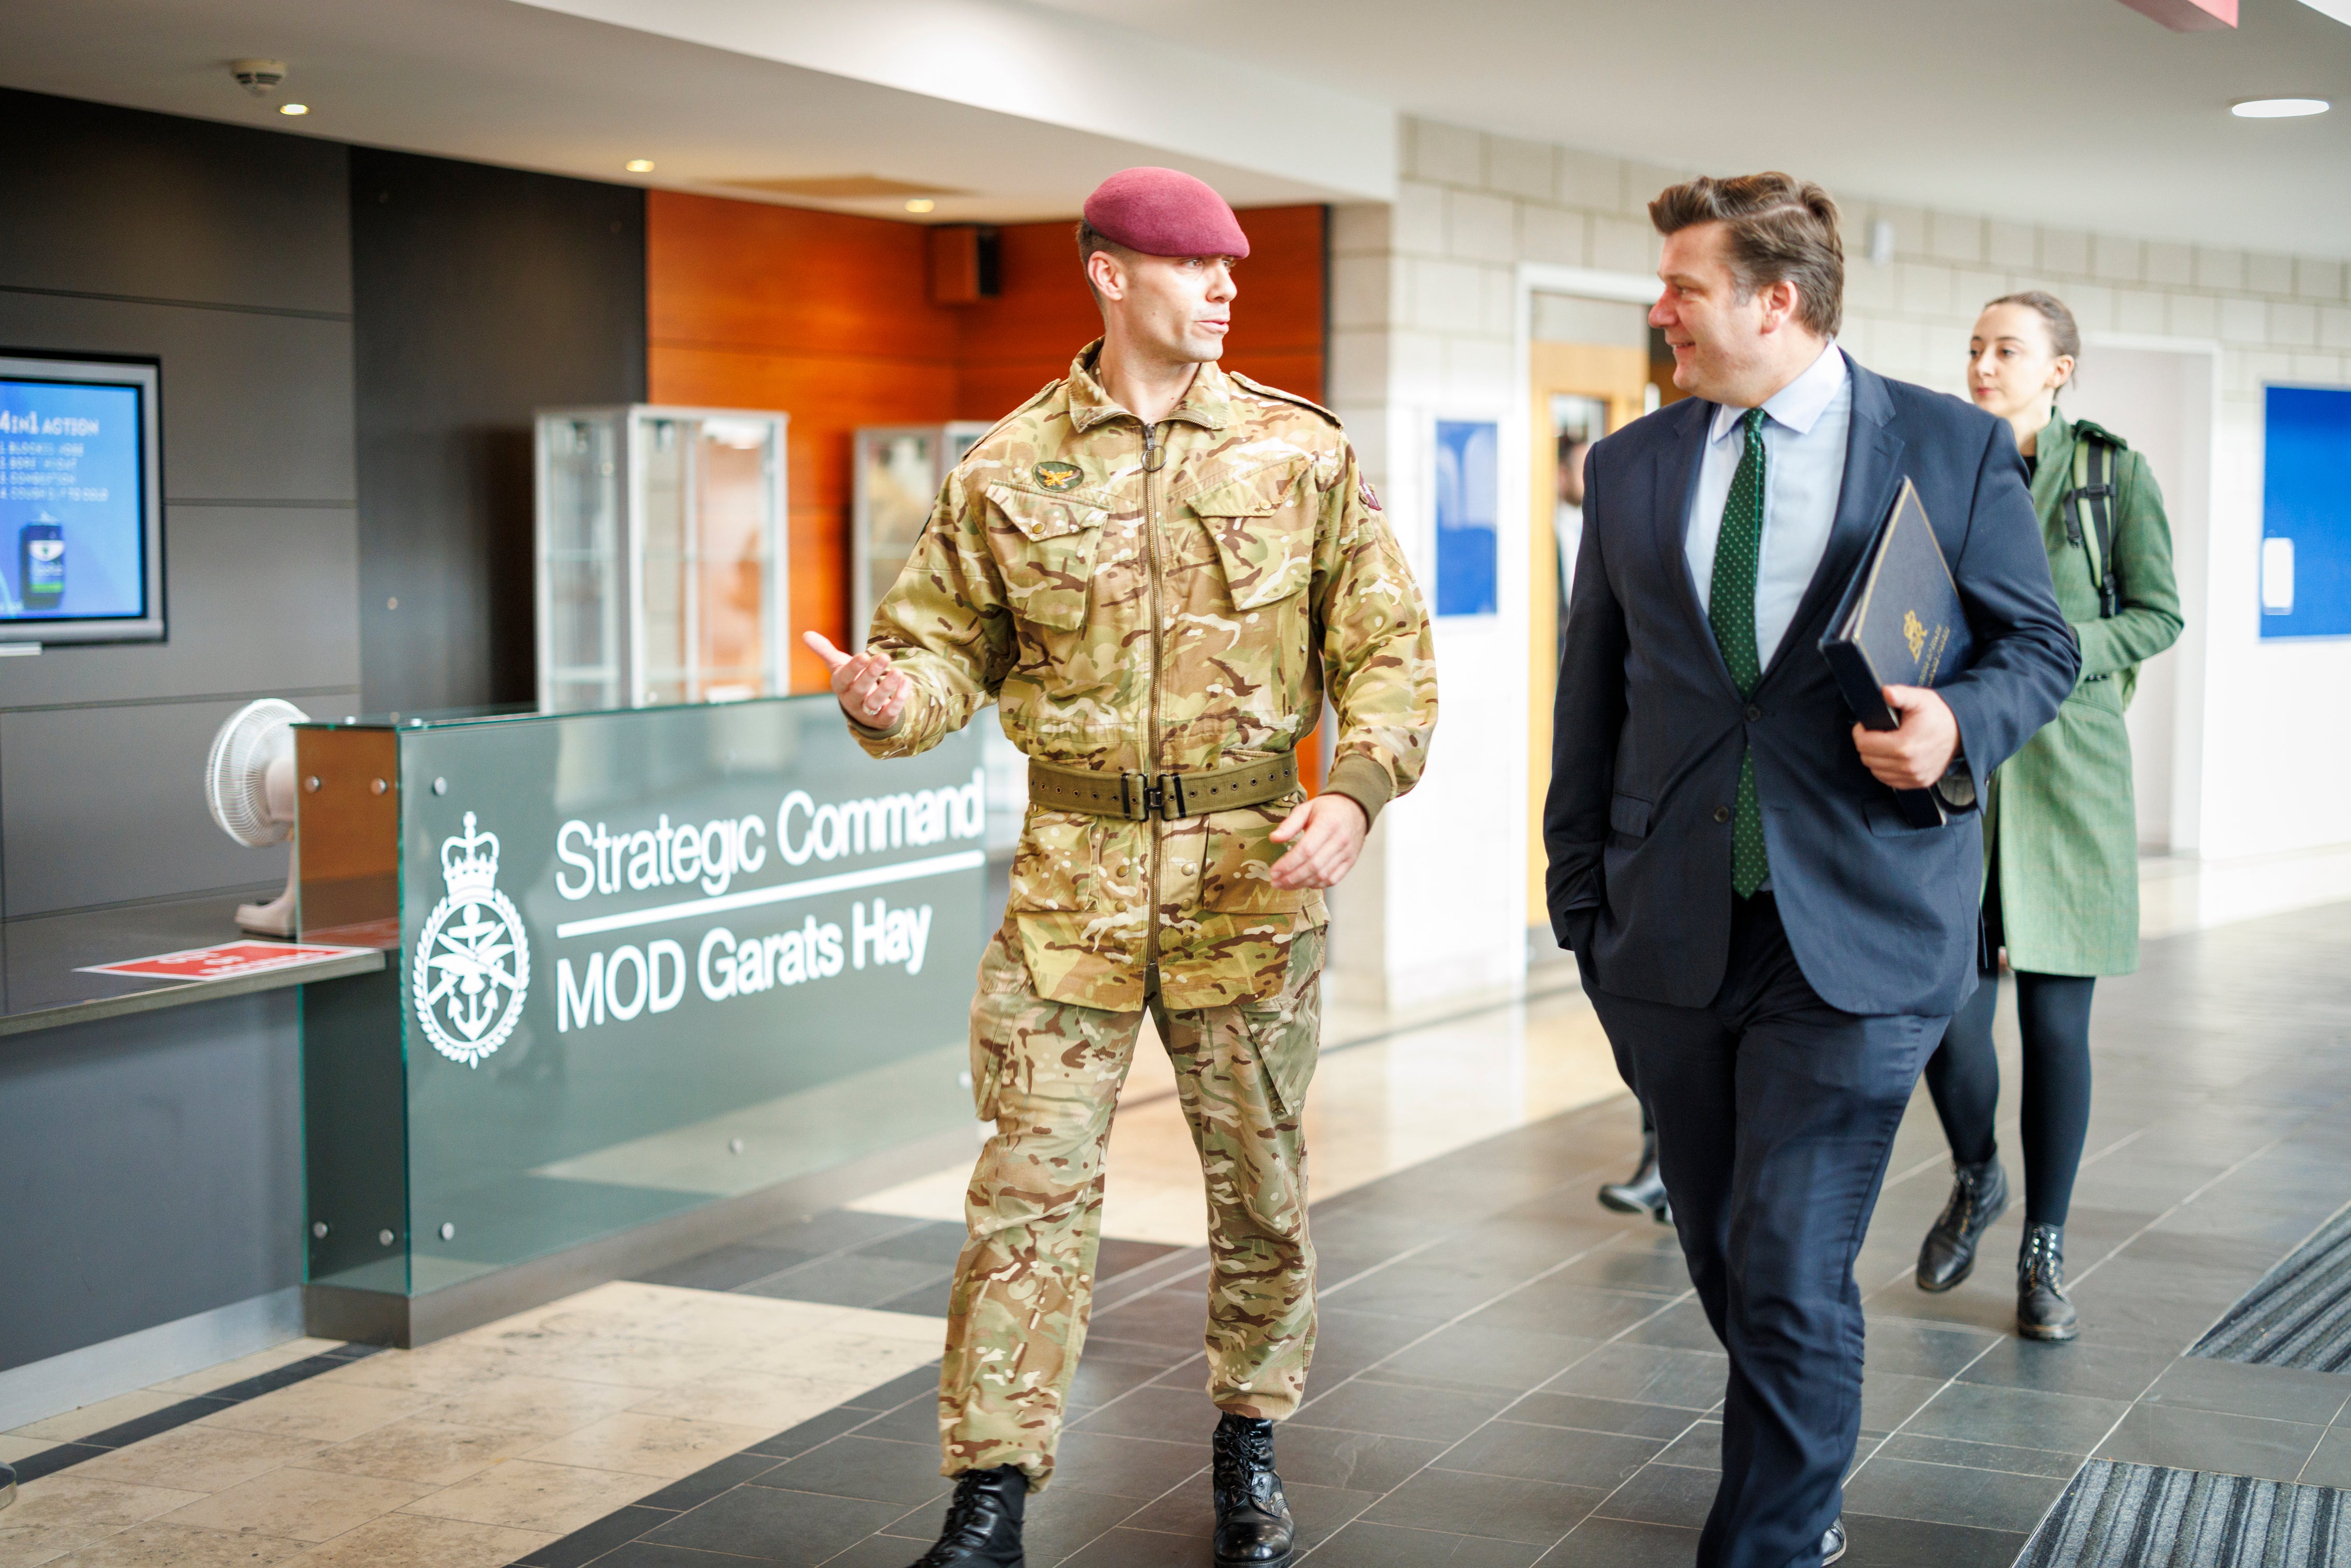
(1143, 796)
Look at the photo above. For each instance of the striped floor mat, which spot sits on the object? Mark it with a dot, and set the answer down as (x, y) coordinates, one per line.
(2300, 1315)
(2141, 1516)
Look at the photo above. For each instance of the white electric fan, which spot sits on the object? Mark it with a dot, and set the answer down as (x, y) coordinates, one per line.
(249, 784)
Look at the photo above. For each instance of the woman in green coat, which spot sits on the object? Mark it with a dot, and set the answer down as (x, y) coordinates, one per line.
(2061, 827)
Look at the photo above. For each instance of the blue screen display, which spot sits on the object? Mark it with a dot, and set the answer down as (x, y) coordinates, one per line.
(72, 502)
(1469, 484)
(2306, 513)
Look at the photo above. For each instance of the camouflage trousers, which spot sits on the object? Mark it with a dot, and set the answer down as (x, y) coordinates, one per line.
(1048, 1074)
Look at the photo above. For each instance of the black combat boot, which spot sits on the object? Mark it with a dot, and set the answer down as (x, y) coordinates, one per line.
(1253, 1524)
(2043, 1311)
(983, 1528)
(1978, 1197)
(1644, 1192)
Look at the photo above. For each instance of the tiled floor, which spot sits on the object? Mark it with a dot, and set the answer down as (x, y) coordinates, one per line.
(1506, 1373)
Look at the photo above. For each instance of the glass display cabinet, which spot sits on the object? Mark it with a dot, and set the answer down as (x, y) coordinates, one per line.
(662, 571)
(899, 469)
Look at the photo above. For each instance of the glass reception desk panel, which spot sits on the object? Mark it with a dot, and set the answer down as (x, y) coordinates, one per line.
(647, 960)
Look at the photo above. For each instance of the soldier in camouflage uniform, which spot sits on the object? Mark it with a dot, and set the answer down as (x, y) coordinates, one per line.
(1154, 597)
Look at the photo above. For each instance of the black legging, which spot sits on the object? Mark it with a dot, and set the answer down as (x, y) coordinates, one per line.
(2053, 1013)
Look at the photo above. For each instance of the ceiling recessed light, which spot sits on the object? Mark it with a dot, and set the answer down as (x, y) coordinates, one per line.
(293, 108)
(921, 205)
(639, 165)
(2277, 108)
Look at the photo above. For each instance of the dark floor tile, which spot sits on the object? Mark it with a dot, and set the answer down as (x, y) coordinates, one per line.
(1647, 1374)
(768, 1525)
(1127, 1548)
(2211, 1440)
(1983, 1413)
(1946, 1494)
(1535, 1513)
(922, 1383)
(862, 1467)
(49, 1461)
(1190, 1510)
(1682, 1325)
(1103, 1378)
(1366, 1545)
(725, 1268)
(277, 1377)
(1568, 1307)
(929, 1300)
(2331, 1465)
(156, 1422)
(591, 1543)
(2076, 1366)
(1117, 1257)
(816, 1430)
(1700, 1449)
(1464, 1356)
(1600, 1543)
(2020, 1461)
(915, 1421)
(1649, 1271)
(1890, 1398)
(1177, 1315)
(939, 1244)
(1875, 1540)
(848, 1280)
(1151, 1352)
(1062, 1519)
(1664, 1494)
(1170, 1413)
(834, 1230)
(1141, 1468)
(1349, 1461)
(2279, 1393)
(1432, 1293)
(645, 1555)
(1557, 1454)
(873, 1551)
(1587, 1413)
(709, 1481)
(1402, 1410)
(1926, 1349)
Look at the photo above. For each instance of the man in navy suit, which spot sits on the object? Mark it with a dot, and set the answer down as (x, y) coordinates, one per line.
(1772, 948)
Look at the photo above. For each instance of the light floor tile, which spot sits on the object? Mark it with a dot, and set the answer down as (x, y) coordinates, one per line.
(304, 1505)
(159, 1544)
(97, 1418)
(58, 1513)
(15, 1449)
(549, 1406)
(770, 1401)
(198, 1458)
(920, 1328)
(451, 1367)
(523, 1494)
(419, 1449)
(835, 1357)
(415, 1540)
(666, 1446)
(244, 1366)
(623, 1360)
(324, 1413)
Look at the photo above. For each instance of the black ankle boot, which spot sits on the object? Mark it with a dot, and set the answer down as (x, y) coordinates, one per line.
(983, 1528)
(1644, 1192)
(1978, 1197)
(1253, 1523)
(2043, 1311)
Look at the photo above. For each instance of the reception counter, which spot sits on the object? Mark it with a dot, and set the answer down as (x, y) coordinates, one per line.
(653, 979)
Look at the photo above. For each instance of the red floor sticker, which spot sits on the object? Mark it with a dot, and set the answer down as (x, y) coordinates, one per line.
(225, 962)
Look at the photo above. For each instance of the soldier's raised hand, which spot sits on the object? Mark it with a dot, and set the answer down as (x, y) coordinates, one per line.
(1325, 835)
(870, 689)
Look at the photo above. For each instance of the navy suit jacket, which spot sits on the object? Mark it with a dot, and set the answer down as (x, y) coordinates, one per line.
(1649, 729)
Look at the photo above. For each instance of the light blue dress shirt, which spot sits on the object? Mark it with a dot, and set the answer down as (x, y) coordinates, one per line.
(1809, 423)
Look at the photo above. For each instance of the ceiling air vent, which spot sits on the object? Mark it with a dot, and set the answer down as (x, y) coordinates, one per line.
(843, 187)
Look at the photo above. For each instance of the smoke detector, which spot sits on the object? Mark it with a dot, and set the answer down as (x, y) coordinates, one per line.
(259, 78)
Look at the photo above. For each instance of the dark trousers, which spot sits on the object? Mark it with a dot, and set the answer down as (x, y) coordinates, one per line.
(1775, 1115)
(2052, 1014)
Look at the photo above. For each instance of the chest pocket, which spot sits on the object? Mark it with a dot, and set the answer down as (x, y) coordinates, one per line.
(1045, 546)
(1262, 525)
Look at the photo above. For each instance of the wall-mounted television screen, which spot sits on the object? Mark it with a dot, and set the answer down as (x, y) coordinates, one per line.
(81, 507)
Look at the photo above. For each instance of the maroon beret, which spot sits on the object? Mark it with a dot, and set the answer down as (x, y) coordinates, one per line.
(1165, 212)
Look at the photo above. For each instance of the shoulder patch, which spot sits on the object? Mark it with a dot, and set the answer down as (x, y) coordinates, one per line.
(1279, 396)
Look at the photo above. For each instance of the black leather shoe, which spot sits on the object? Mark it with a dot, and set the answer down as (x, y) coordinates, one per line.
(1978, 1197)
(2043, 1311)
(1833, 1543)
(983, 1528)
(1644, 1192)
(1253, 1523)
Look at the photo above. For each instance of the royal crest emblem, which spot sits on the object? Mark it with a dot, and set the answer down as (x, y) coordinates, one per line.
(1913, 633)
(473, 963)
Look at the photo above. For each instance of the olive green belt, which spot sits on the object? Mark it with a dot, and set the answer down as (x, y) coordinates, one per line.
(1139, 796)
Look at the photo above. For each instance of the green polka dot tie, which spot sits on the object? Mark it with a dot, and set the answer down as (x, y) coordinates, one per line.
(1731, 608)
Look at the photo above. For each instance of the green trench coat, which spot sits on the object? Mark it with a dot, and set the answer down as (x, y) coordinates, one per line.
(2061, 824)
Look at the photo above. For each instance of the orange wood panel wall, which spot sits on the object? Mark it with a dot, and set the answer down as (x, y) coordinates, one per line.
(828, 317)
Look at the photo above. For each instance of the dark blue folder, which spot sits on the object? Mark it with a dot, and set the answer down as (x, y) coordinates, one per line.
(1899, 625)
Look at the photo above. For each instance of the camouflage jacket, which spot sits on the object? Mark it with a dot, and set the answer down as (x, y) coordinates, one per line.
(1140, 602)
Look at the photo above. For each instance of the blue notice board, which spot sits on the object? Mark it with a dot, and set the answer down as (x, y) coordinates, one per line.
(1469, 482)
(2306, 513)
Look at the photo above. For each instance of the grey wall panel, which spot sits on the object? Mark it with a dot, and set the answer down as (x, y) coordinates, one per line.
(153, 1169)
(255, 407)
(105, 804)
(480, 296)
(262, 598)
(116, 201)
